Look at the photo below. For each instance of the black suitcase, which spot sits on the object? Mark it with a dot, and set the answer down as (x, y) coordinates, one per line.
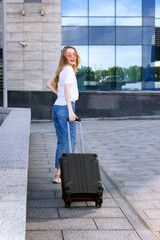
(80, 174)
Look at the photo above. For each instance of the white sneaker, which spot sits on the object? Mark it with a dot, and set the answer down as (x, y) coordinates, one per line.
(57, 178)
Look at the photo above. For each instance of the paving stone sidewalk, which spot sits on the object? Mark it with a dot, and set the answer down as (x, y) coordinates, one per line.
(129, 153)
(113, 141)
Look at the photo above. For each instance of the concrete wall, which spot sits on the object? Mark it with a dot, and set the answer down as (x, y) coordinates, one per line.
(91, 104)
(30, 67)
(3, 114)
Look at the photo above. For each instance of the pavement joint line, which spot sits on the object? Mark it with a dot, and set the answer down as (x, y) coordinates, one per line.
(95, 223)
(107, 118)
(62, 234)
(128, 210)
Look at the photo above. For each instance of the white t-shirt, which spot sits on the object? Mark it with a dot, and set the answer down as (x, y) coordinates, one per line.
(67, 76)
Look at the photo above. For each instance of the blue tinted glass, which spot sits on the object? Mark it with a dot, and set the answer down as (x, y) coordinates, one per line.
(148, 21)
(149, 8)
(128, 21)
(128, 66)
(101, 8)
(148, 55)
(129, 35)
(157, 12)
(101, 57)
(157, 67)
(74, 8)
(149, 35)
(102, 67)
(129, 8)
(74, 21)
(101, 21)
(75, 35)
(101, 35)
(148, 67)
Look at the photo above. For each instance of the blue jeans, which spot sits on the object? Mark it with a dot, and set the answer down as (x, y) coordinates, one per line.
(59, 116)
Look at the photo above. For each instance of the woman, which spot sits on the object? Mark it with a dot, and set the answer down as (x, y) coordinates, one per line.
(64, 84)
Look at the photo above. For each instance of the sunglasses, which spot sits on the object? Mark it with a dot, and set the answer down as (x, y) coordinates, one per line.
(70, 55)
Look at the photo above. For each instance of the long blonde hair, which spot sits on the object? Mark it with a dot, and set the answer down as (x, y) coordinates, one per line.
(64, 62)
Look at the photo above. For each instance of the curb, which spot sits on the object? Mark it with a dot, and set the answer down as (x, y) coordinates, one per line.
(107, 119)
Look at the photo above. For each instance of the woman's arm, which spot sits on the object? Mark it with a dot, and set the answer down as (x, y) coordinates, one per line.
(72, 116)
(51, 86)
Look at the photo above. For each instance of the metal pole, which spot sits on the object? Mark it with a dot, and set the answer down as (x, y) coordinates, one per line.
(5, 96)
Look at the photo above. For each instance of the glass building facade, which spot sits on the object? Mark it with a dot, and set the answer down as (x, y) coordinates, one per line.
(118, 42)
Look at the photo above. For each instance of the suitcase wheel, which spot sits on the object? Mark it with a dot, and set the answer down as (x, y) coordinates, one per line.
(98, 205)
(67, 202)
(99, 202)
(67, 205)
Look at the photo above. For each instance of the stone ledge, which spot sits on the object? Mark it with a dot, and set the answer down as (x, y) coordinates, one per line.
(3, 114)
(14, 157)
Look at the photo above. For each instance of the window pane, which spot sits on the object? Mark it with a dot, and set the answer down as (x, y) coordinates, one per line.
(149, 8)
(148, 67)
(101, 35)
(129, 8)
(74, 8)
(102, 66)
(149, 35)
(128, 66)
(128, 21)
(157, 67)
(101, 8)
(74, 21)
(75, 35)
(129, 35)
(100, 21)
(157, 8)
(157, 22)
(148, 21)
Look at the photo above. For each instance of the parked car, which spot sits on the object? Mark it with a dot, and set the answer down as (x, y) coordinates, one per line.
(111, 83)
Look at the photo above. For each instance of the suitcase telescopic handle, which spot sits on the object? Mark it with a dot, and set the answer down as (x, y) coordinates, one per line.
(81, 135)
(77, 120)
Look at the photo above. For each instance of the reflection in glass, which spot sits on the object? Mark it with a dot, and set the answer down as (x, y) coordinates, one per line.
(129, 35)
(74, 21)
(148, 21)
(74, 8)
(157, 67)
(129, 8)
(128, 66)
(101, 21)
(128, 21)
(157, 22)
(148, 61)
(149, 35)
(157, 8)
(101, 8)
(148, 8)
(74, 35)
(101, 67)
(101, 35)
